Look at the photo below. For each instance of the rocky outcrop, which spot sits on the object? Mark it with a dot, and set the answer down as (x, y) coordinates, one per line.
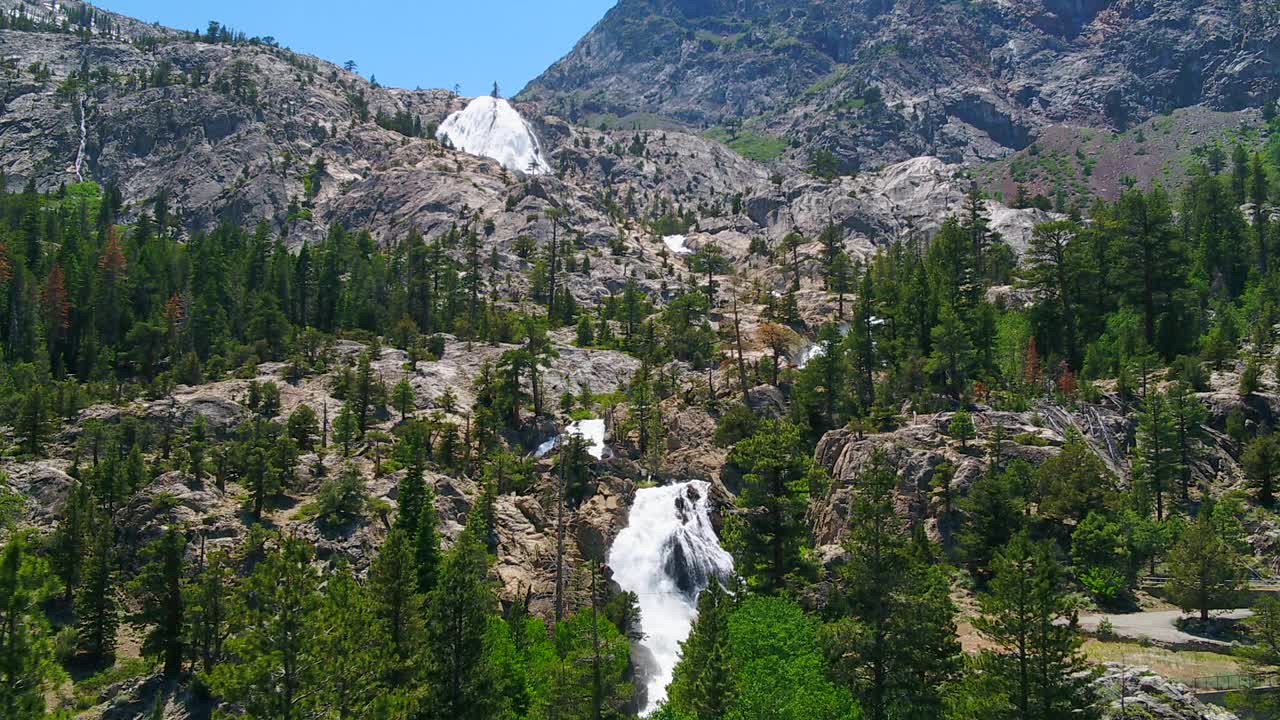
(922, 445)
(1127, 691)
(42, 485)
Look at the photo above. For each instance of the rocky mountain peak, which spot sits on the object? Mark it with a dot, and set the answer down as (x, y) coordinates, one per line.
(876, 81)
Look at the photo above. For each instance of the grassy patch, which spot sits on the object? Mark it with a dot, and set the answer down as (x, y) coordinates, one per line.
(719, 40)
(852, 104)
(828, 82)
(751, 145)
(90, 689)
(1180, 665)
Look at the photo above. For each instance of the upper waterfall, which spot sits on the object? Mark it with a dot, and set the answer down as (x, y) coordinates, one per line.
(667, 555)
(490, 127)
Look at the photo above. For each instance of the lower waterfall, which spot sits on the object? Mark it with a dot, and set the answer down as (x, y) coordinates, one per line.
(667, 555)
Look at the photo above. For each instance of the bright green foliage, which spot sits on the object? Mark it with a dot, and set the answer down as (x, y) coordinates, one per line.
(276, 670)
(702, 685)
(26, 649)
(583, 674)
(1101, 558)
(403, 398)
(346, 429)
(1075, 482)
(457, 660)
(777, 668)
(778, 477)
(961, 428)
(342, 498)
(1205, 571)
(351, 651)
(1038, 662)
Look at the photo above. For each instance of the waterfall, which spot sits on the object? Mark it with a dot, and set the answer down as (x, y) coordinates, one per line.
(84, 141)
(667, 555)
(490, 127)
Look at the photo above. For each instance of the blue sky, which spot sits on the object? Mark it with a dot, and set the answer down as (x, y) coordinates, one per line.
(405, 44)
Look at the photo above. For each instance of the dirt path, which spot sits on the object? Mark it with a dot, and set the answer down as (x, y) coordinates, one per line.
(1159, 626)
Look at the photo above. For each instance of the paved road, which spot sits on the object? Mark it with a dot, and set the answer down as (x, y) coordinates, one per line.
(1158, 625)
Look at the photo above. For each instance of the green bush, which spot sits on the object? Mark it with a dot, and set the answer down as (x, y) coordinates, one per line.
(341, 499)
(1104, 584)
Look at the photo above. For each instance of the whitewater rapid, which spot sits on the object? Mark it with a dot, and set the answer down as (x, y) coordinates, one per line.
(667, 555)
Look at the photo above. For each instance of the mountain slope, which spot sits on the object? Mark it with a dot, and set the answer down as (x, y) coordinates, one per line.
(877, 81)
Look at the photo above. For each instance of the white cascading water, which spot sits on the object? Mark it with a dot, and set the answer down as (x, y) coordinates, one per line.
(490, 127)
(591, 430)
(676, 244)
(667, 555)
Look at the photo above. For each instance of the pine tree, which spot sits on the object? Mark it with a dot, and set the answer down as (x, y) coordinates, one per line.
(458, 612)
(1258, 194)
(1146, 258)
(702, 684)
(349, 650)
(994, 513)
(898, 646)
(1261, 461)
(368, 394)
(411, 498)
(710, 260)
(1188, 417)
(962, 428)
(346, 429)
(1075, 482)
(393, 585)
(33, 421)
(404, 398)
(1028, 617)
(276, 671)
(778, 476)
(208, 611)
(157, 594)
(197, 445)
(840, 280)
(1156, 462)
(426, 548)
(97, 610)
(952, 358)
(1205, 572)
(262, 484)
(67, 543)
(27, 663)
(1056, 266)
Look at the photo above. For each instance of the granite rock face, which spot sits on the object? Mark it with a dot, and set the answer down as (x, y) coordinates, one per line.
(959, 80)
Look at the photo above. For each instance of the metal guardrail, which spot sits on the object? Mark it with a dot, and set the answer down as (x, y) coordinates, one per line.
(1236, 681)
(1256, 581)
